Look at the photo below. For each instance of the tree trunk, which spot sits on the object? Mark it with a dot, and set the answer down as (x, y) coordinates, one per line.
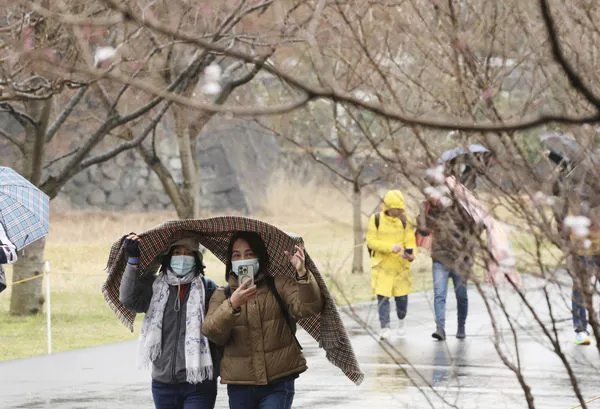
(165, 177)
(357, 260)
(27, 298)
(189, 169)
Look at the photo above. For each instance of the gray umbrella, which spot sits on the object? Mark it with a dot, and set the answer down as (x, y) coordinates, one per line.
(456, 152)
(578, 165)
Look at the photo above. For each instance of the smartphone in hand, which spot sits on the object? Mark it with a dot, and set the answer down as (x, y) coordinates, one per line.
(408, 252)
(246, 274)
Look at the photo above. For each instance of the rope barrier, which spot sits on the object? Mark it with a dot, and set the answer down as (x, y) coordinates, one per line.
(589, 401)
(42, 275)
(25, 280)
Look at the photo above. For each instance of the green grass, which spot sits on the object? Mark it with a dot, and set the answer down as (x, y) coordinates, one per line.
(79, 319)
(80, 316)
(79, 244)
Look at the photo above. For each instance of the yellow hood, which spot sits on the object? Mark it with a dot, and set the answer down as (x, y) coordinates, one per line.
(393, 200)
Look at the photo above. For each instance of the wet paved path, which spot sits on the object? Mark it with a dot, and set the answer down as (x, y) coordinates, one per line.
(420, 371)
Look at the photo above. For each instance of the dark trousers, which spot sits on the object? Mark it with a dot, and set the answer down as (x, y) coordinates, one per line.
(383, 304)
(577, 304)
(277, 395)
(184, 395)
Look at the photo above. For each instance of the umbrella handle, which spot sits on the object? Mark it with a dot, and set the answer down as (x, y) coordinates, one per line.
(24, 241)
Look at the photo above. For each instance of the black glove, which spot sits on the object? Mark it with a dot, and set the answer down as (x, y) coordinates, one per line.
(132, 248)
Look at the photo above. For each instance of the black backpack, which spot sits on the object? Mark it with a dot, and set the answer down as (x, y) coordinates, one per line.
(284, 310)
(370, 250)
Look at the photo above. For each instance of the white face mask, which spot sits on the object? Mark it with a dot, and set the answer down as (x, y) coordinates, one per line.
(182, 265)
(235, 265)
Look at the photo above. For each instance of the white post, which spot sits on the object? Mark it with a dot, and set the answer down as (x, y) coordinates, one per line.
(48, 307)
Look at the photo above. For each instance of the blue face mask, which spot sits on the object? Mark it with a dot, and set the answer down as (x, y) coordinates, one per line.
(235, 265)
(182, 265)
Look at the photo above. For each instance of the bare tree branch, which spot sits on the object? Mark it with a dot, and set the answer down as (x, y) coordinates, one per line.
(72, 19)
(190, 102)
(312, 92)
(20, 116)
(53, 129)
(164, 175)
(61, 157)
(574, 78)
(127, 145)
(12, 140)
(345, 98)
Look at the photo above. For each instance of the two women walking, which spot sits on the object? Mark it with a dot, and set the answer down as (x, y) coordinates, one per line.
(194, 332)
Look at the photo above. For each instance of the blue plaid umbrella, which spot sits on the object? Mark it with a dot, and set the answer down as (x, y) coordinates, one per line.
(23, 208)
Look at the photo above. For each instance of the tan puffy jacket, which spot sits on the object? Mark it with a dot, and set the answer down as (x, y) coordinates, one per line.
(259, 346)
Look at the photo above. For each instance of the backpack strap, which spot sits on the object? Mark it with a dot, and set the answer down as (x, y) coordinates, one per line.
(209, 289)
(370, 250)
(284, 310)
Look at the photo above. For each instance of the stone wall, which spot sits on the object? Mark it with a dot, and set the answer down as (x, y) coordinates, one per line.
(235, 159)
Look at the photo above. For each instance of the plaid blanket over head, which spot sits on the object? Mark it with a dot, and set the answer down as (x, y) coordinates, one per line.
(326, 328)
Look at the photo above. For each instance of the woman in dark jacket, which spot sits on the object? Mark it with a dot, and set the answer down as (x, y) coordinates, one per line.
(262, 357)
(174, 301)
(8, 255)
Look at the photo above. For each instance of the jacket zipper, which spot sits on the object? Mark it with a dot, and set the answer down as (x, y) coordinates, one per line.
(176, 343)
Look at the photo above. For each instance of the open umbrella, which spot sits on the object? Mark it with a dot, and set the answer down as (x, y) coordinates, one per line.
(562, 145)
(578, 166)
(23, 209)
(464, 163)
(456, 152)
(326, 328)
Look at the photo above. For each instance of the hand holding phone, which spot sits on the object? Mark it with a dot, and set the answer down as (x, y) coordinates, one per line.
(244, 293)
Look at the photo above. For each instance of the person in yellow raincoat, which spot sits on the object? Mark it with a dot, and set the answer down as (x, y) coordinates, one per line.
(392, 245)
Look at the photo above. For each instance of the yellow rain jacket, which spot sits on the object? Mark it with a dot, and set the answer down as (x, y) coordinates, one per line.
(390, 273)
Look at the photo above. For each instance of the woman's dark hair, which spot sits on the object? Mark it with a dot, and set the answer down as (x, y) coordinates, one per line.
(257, 245)
(166, 262)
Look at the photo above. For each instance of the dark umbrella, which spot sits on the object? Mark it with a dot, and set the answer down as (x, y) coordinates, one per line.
(577, 165)
(562, 145)
(326, 328)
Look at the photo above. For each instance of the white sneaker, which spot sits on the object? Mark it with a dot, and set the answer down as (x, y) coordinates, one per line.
(582, 338)
(400, 332)
(384, 333)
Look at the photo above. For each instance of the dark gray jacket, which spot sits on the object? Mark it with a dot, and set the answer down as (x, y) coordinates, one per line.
(2, 279)
(135, 294)
(455, 236)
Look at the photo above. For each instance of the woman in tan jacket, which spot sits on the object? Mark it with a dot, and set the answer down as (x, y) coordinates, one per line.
(261, 357)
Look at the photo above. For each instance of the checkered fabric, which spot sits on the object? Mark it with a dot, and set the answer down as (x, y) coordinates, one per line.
(326, 328)
(23, 209)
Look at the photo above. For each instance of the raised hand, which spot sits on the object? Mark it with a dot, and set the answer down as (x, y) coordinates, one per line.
(132, 245)
(298, 260)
